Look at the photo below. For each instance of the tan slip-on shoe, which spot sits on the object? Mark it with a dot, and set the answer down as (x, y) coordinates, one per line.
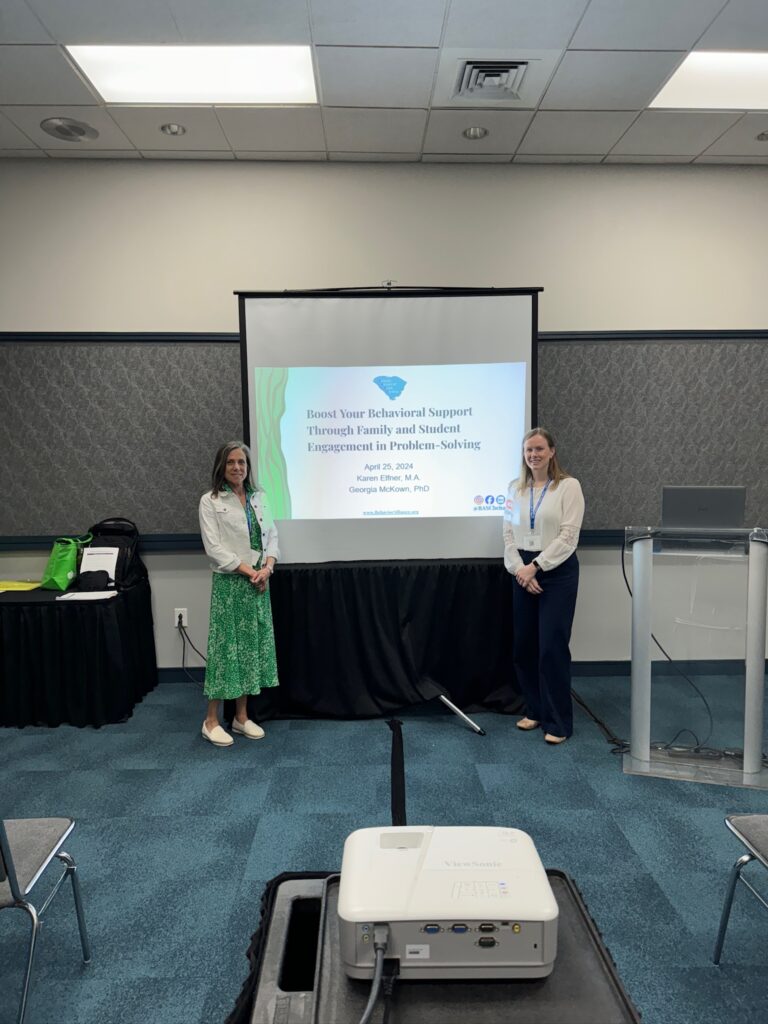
(217, 736)
(249, 729)
(553, 740)
(526, 724)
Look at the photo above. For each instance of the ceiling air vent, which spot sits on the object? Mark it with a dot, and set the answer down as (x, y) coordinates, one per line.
(491, 79)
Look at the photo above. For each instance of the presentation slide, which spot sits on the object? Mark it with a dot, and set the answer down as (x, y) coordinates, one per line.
(359, 441)
(387, 425)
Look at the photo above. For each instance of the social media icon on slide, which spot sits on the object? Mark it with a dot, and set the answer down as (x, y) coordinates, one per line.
(489, 499)
(478, 499)
(500, 499)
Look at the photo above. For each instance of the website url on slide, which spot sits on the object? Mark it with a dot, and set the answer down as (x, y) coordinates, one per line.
(392, 512)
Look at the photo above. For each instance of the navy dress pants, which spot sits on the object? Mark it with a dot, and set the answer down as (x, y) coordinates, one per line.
(542, 631)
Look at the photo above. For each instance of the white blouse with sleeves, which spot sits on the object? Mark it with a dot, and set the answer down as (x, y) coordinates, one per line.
(558, 522)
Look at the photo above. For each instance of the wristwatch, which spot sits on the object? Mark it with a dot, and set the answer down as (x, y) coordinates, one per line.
(534, 562)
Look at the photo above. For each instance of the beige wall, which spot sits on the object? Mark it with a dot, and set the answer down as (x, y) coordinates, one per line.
(119, 246)
(123, 246)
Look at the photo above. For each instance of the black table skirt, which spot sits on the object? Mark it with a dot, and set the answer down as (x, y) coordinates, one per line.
(74, 662)
(363, 639)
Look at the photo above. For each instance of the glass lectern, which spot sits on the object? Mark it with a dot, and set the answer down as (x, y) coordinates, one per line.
(740, 557)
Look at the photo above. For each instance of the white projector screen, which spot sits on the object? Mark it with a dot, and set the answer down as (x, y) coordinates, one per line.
(387, 425)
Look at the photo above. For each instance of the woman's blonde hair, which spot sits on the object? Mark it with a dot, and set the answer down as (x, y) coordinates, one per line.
(554, 469)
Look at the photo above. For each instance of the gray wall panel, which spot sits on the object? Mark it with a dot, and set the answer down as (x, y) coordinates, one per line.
(95, 428)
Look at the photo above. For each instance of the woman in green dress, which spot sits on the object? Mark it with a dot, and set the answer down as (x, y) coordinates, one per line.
(240, 539)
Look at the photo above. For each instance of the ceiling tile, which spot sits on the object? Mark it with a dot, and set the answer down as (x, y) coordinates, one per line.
(505, 129)
(740, 139)
(671, 132)
(352, 130)
(544, 24)
(379, 158)
(588, 131)
(557, 158)
(608, 80)
(466, 158)
(373, 23)
(743, 25)
(40, 74)
(259, 155)
(106, 21)
(21, 154)
(650, 25)
(366, 76)
(94, 154)
(273, 128)
(28, 120)
(254, 22)
(706, 159)
(165, 154)
(11, 137)
(640, 158)
(19, 25)
(142, 126)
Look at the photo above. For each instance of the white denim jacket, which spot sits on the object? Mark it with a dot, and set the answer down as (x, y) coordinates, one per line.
(224, 529)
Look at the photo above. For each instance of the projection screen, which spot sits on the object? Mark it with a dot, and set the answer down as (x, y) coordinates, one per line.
(388, 424)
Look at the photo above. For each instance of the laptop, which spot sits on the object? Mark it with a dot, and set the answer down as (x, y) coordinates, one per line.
(701, 508)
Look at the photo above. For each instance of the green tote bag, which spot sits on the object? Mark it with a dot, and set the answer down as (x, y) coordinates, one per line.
(61, 569)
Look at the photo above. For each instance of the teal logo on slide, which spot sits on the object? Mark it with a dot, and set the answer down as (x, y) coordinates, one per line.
(391, 386)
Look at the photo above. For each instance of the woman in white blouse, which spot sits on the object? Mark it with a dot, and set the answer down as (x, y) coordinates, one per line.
(542, 519)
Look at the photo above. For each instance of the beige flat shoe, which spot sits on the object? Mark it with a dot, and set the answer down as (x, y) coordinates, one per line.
(217, 736)
(526, 724)
(549, 738)
(249, 729)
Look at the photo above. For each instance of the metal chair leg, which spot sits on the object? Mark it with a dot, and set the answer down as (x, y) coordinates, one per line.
(30, 956)
(733, 878)
(72, 872)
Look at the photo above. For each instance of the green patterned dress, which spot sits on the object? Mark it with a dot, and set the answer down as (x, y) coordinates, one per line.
(241, 641)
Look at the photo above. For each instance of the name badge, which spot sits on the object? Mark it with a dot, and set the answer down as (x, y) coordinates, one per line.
(532, 542)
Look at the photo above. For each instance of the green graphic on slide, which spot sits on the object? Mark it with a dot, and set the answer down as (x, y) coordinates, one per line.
(269, 397)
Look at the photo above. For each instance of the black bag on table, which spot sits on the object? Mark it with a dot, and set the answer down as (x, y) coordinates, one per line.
(123, 535)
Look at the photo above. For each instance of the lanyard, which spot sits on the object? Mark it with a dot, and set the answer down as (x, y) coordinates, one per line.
(541, 498)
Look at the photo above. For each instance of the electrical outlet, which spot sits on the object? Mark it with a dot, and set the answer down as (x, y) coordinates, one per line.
(180, 612)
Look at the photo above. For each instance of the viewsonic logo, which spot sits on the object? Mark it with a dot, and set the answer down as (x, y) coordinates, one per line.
(472, 863)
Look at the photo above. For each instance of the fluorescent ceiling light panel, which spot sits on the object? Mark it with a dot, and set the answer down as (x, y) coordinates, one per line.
(717, 81)
(199, 74)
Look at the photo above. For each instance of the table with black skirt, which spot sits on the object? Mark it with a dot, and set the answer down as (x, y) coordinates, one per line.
(75, 662)
(362, 639)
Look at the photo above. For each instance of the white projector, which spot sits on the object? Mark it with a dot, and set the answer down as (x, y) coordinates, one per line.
(457, 903)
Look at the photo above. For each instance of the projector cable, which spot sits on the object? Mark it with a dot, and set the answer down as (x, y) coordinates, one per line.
(185, 639)
(380, 940)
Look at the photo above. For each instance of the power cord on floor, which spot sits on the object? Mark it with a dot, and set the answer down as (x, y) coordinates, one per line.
(391, 971)
(185, 639)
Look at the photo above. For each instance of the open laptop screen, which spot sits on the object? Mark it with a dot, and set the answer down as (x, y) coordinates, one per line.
(701, 508)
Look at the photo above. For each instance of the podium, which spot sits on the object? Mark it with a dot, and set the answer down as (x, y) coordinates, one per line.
(750, 549)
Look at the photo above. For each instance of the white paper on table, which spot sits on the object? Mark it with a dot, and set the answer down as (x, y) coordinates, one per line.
(100, 559)
(87, 595)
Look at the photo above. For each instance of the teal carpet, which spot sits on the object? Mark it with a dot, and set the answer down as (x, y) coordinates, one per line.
(175, 840)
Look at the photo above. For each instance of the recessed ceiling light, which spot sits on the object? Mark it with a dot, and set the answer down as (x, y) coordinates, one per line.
(475, 132)
(198, 74)
(173, 129)
(68, 129)
(717, 81)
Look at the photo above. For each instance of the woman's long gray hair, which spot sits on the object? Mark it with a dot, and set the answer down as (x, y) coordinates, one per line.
(220, 466)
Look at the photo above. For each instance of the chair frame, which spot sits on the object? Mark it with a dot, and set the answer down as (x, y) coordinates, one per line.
(22, 903)
(734, 877)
